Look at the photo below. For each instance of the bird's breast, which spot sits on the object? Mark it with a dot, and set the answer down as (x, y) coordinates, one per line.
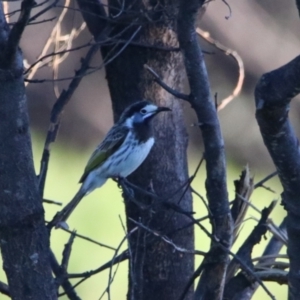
(135, 156)
(127, 158)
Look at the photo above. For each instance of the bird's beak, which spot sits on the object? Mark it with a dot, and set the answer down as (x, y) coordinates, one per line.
(162, 108)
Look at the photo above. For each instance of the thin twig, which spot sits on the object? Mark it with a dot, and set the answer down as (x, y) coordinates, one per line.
(42, 21)
(57, 109)
(105, 62)
(63, 280)
(123, 256)
(285, 256)
(167, 240)
(89, 239)
(261, 183)
(165, 86)
(243, 265)
(43, 10)
(52, 202)
(273, 275)
(206, 35)
(67, 252)
(229, 8)
(115, 260)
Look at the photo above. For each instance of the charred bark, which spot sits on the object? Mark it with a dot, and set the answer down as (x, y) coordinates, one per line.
(24, 240)
(212, 281)
(273, 95)
(156, 271)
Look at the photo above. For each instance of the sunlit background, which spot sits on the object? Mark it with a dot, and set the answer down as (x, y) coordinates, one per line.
(266, 36)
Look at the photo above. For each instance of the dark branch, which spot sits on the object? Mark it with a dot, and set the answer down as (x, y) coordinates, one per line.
(40, 13)
(244, 253)
(261, 183)
(246, 286)
(4, 289)
(67, 252)
(212, 281)
(17, 30)
(57, 109)
(123, 256)
(243, 192)
(95, 16)
(165, 86)
(62, 280)
(273, 95)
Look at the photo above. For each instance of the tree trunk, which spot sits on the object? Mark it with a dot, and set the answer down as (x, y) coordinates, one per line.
(156, 270)
(23, 237)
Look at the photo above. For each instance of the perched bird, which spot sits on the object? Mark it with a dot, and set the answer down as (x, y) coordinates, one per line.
(122, 151)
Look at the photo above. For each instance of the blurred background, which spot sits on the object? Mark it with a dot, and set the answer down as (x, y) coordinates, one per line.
(266, 36)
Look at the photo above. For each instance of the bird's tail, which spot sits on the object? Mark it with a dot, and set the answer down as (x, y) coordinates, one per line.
(59, 220)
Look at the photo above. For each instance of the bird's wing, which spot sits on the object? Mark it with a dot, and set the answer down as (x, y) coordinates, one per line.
(109, 145)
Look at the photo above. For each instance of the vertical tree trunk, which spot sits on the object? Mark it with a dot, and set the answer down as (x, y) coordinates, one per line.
(156, 270)
(23, 237)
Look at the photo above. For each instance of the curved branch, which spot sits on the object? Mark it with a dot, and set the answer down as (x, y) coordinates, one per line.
(273, 95)
(205, 35)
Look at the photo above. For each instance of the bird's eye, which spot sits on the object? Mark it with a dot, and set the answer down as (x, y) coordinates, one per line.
(143, 111)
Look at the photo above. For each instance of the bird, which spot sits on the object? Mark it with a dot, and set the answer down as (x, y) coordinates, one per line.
(124, 148)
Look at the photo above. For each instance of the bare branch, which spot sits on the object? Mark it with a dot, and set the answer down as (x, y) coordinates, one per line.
(40, 13)
(17, 30)
(57, 109)
(273, 95)
(206, 35)
(245, 250)
(167, 240)
(273, 275)
(63, 280)
(67, 252)
(115, 260)
(165, 86)
(123, 256)
(244, 255)
(4, 289)
(243, 191)
(212, 281)
(88, 239)
(52, 202)
(246, 286)
(261, 183)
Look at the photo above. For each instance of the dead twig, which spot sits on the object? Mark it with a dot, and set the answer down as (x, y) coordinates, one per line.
(206, 36)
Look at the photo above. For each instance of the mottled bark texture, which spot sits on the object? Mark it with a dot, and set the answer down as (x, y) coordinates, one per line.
(273, 95)
(23, 237)
(211, 284)
(156, 271)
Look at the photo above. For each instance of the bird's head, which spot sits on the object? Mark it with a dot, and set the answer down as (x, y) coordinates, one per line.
(141, 113)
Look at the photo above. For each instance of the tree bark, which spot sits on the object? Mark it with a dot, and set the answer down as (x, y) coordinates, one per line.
(212, 281)
(156, 271)
(24, 240)
(273, 95)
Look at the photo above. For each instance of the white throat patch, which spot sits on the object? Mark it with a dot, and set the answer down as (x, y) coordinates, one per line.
(129, 122)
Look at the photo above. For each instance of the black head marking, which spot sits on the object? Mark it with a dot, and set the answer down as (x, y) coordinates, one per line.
(133, 108)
